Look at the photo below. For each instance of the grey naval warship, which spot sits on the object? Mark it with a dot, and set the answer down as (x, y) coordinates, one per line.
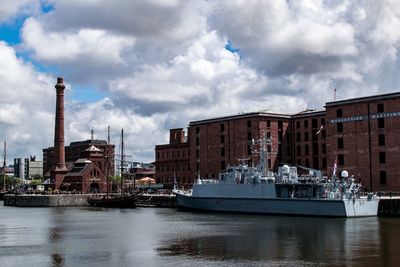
(247, 189)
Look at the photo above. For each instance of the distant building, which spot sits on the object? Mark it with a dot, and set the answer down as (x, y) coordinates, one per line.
(361, 135)
(141, 170)
(28, 168)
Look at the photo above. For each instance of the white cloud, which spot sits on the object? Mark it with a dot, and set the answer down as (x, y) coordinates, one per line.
(11, 8)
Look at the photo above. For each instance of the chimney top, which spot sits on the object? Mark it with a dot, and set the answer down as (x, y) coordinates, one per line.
(60, 80)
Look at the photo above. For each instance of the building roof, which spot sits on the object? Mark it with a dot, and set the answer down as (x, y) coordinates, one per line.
(92, 148)
(363, 99)
(241, 116)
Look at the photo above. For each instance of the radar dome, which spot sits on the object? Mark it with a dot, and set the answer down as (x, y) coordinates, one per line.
(285, 168)
(345, 174)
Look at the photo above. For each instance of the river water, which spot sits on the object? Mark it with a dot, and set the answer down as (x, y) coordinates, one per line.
(168, 237)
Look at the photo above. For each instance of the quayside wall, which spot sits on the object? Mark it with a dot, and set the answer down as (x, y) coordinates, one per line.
(45, 200)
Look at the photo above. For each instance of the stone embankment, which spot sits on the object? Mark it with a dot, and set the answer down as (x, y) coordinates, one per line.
(18, 200)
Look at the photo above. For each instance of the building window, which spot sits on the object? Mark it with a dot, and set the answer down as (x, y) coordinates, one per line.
(306, 124)
(382, 157)
(223, 165)
(222, 127)
(268, 123)
(315, 149)
(315, 163)
(197, 153)
(222, 139)
(339, 113)
(322, 121)
(324, 163)
(314, 135)
(197, 130)
(340, 159)
(248, 124)
(298, 150)
(280, 124)
(340, 143)
(167, 155)
(298, 124)
(158, 155)
(381, 123)
(381, 139)
(249, 136)
(288, 137)
(323, 134)
(306, 136)
(269, 148)
(339, 127)
(380, 108)
(306, 152)
(307, 163)
(323, 148)
(298, 137)
(382, 177)
(314, 123)
(222, 151)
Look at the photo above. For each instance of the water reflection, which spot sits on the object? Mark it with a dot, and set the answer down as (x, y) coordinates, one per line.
(327, 241)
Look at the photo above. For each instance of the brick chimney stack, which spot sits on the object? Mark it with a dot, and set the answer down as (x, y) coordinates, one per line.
(59, 169)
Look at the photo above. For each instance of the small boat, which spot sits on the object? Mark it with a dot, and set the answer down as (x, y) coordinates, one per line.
(119, 201)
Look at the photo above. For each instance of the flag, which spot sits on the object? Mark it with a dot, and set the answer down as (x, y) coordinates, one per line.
(320, 129)
(335, 167)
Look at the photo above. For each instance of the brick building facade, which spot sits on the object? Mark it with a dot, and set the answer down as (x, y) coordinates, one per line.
(88, 164)
(362, 135)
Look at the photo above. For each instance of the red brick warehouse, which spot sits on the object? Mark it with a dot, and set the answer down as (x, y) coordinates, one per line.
(361, 134)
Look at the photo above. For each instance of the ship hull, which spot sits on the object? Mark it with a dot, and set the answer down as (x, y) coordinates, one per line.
(291, 206)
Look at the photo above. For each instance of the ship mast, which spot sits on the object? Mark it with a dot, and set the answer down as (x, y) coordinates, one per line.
(4, 166)
(122, 161)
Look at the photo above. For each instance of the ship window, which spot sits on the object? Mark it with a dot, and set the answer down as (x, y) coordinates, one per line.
(382, 157)
(382, 177)
(381, 123)
(381, 138)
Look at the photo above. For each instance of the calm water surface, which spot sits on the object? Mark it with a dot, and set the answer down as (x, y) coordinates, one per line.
(167, 237)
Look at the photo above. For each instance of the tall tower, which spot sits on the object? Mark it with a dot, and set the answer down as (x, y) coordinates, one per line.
(59, 170)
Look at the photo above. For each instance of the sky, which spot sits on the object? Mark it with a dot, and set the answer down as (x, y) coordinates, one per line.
(151, 65)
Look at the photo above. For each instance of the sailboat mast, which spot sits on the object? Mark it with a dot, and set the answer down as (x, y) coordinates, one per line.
(122, 160)
(4, 166)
